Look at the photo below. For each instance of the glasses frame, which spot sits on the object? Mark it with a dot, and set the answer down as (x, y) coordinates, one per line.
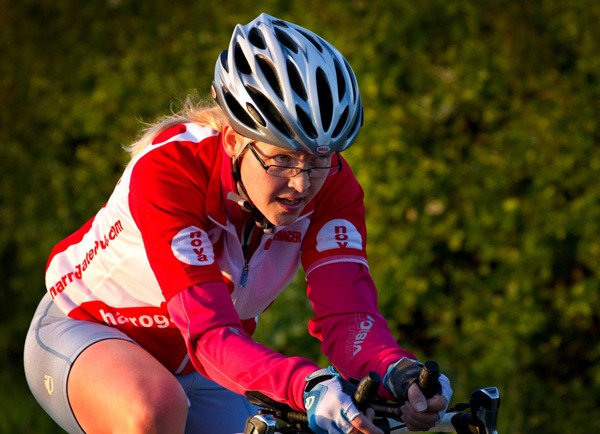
(296, 170)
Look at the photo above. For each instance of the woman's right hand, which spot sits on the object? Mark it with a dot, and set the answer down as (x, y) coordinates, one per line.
(363, 423)
(331, 410)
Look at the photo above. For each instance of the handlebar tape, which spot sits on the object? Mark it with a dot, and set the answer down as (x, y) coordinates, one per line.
(429, 379)
(367, 390)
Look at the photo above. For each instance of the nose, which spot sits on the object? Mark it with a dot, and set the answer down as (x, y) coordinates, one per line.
(300, 182)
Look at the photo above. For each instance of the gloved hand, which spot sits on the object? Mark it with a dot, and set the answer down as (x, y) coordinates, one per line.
(328, 402)
(402, 374)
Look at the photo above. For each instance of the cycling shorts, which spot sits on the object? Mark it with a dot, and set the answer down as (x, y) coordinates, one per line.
(54, 342)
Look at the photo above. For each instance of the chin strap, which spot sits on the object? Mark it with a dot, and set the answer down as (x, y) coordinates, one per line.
(259, 218)
(243, 201)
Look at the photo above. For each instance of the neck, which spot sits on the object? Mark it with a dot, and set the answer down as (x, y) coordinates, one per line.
(245, 204)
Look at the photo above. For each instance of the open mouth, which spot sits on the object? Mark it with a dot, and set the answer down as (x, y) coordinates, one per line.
(289, 202)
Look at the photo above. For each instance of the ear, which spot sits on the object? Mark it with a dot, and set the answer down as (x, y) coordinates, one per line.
(229, 141)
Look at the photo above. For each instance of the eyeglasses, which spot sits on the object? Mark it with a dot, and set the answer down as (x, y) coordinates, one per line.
(320, 168)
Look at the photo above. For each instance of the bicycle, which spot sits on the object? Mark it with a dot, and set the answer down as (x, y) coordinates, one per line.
(484, 404)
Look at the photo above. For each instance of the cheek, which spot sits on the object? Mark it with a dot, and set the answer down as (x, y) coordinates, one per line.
(316, 185)
(259, 185)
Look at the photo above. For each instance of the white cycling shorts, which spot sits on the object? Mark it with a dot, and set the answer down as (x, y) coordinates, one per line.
(54, 342)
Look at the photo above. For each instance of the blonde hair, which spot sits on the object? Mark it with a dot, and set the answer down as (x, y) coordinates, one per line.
(202, 112)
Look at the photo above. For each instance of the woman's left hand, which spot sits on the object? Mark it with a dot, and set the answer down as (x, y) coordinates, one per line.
(420, 414)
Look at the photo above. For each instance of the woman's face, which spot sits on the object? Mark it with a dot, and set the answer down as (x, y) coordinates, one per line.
(281, 200)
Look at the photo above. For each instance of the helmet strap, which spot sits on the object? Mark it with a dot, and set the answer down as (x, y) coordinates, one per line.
(244, 202)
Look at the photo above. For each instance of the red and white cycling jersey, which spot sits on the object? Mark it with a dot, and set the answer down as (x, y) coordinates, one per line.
(168, 226)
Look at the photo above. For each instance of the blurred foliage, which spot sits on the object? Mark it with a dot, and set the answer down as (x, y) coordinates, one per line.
(479, 159)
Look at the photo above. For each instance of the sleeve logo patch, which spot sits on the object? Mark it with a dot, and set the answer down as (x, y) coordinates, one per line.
(192, 246)
(338, 234)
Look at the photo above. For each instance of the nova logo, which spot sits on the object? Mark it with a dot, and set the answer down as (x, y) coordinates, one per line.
(192, 246)
(198, 245)
(338, 234)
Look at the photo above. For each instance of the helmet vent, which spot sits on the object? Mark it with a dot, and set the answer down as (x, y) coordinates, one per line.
(296, 81)
(306, 123)
(358, 122)
(241, 63)
(255, 113)
(325, 99)
(236, 109)
(341, 83)
(351, 75)
(286, 41)
(341, 123)
(255, 37)
(270, 74)
(223, 60)
(312, 39)
(280, 23)
(270, 112)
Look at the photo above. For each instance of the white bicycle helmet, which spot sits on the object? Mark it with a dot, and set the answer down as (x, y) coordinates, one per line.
(282, 84)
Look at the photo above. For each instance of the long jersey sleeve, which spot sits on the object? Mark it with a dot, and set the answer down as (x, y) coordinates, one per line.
(354, 335)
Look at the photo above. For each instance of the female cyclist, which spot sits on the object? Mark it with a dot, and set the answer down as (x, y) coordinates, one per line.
(151, 305)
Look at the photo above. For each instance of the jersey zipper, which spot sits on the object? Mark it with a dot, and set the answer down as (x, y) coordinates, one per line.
(246, 238)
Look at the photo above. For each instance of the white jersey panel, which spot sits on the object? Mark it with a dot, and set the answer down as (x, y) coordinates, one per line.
(110, 262)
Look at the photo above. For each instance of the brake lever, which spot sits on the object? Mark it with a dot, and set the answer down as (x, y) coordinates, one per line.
(260, 424)
(485, 404)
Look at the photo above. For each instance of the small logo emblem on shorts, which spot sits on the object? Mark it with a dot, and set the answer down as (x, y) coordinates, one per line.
(49, 383)
(309, 402)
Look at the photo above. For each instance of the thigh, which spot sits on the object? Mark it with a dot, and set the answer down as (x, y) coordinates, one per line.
(117, 386)
(214, 409)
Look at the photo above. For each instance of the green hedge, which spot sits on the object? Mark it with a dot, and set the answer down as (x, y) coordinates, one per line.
(479, 159)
